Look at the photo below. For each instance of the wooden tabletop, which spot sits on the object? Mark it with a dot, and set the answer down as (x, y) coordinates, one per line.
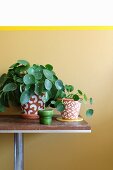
(16, 124)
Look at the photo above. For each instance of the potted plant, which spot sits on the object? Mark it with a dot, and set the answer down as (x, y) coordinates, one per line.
(69, 103)
(10, 84)
(36, 87)
(30, 87)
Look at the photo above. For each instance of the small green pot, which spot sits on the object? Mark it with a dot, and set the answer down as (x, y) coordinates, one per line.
(46, 116)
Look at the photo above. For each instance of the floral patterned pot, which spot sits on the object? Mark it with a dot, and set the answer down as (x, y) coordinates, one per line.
(72, 109)
(31, 108)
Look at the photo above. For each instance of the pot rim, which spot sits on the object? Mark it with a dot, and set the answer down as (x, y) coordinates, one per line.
(70, 99)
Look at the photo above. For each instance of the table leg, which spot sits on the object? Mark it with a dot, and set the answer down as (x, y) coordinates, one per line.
(18, 151)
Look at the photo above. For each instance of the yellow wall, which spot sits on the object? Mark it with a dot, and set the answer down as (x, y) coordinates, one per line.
(82, 58)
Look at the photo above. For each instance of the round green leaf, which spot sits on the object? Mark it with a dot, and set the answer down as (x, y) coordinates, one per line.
(23, 62)
(21, 69)
(38, 75)
(75, 97)
(46, 97)
(25, 96)
(89, 112)
(69, 88)
(35, 72)
(35, 66)
(31, 70)
(60, 94)
(38, 88)
(60, 107)
(48, 84)
(14, 65)
(3, 79)
(59, 84)
(29, 79)
(48, 74)
(54, 78)
(10, 87)
(19, 80)
(49, 67)
(28, 86)
(42, 67)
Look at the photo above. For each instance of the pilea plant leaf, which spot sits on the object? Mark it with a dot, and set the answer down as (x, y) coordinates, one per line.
(49, 67)
(10, 87)
(91, 100)
(85, 97)
(21, 69)
(23, 62)
(48, 84)
(38, 88)
(13, 65)
(54, 78)
(29, 79)
(25, 96)
(48, 74)
(19, 80)
(46, 97)
(31, 70)
(3, 79)
(38, 75)
(59, 84)
(60, 107)
(35, 72)
(28, 86)
(60, 94)
(69, 88)
(53, 91)
(75, 97)
(89, 112)
(80, 92)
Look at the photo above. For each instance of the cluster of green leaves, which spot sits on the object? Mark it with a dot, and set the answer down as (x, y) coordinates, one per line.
(10, 84)
(67, 92)
(40, 80)
(23, 80)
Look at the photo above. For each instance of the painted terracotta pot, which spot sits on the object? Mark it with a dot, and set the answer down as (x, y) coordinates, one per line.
(72, 109)
(31, 108)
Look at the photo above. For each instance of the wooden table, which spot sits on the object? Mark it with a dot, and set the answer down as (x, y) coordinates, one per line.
(19, 126)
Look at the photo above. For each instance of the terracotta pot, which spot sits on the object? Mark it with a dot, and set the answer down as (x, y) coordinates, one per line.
(72, 109)
(31, 108)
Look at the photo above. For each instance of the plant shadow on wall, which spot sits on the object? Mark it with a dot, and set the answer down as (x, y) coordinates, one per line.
(36, 87)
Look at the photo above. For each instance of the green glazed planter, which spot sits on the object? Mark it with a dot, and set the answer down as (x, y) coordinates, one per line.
(46, 116)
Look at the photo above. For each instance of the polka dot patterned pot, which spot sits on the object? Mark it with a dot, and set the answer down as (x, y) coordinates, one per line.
(31, 108)
(72, 109)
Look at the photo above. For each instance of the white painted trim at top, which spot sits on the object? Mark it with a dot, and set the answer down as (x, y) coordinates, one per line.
(45, 131)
